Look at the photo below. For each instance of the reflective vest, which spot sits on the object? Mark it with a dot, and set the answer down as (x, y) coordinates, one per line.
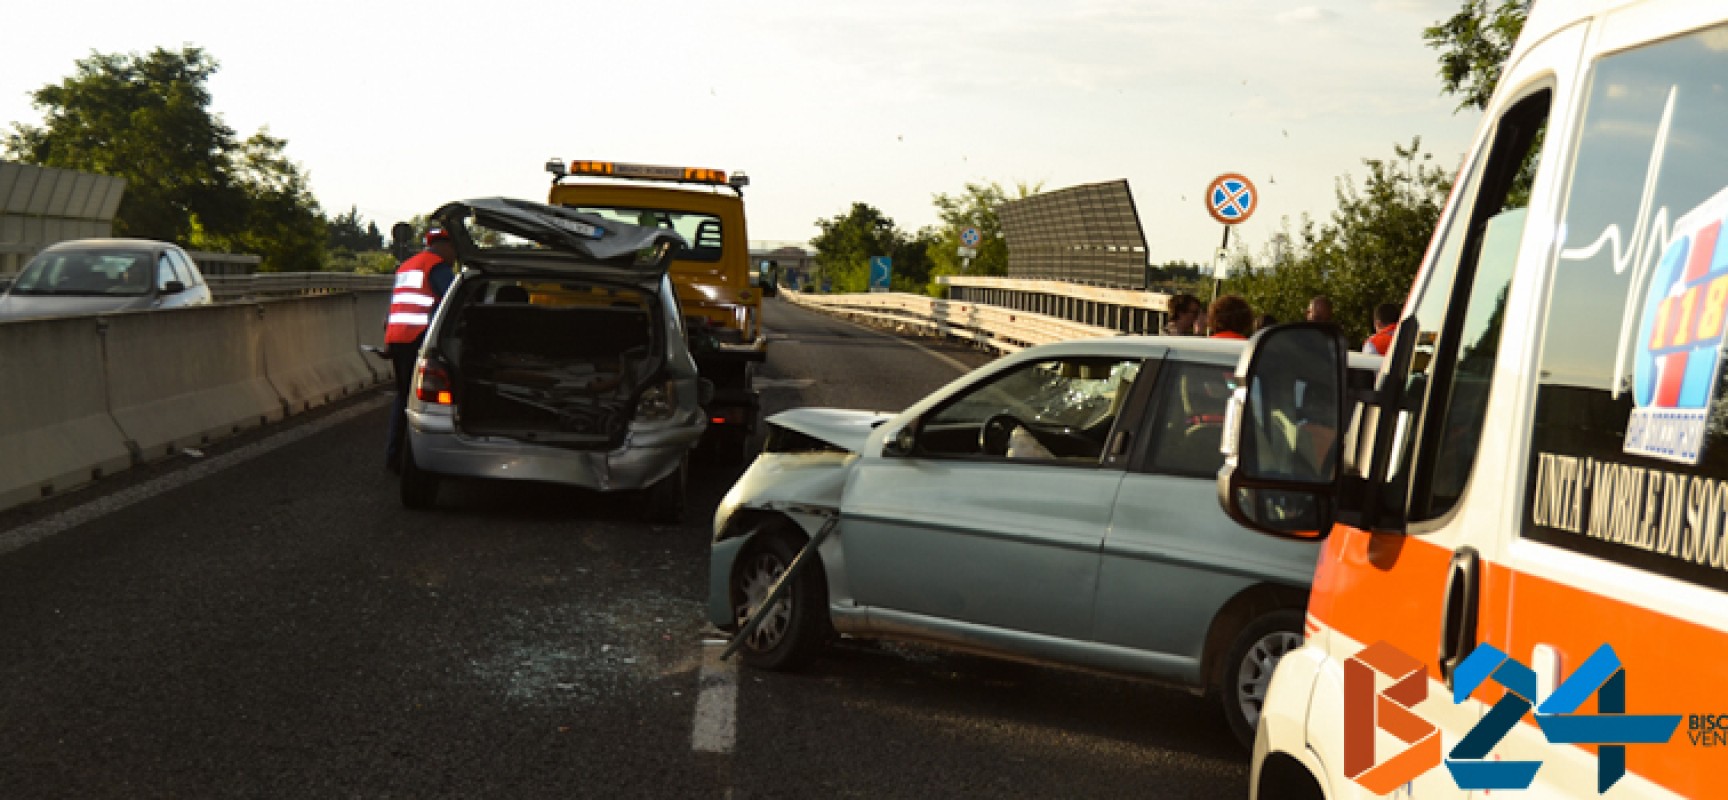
(412, 302)
(1382, 340)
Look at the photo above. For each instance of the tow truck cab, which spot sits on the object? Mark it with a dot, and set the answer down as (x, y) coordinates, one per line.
(719, 293)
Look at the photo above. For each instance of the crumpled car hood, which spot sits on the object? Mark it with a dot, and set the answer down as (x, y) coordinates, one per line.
(843, 428)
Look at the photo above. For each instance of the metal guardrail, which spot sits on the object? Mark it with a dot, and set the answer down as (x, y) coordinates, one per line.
(1004, 329)
(227, 288)
(1122, 310)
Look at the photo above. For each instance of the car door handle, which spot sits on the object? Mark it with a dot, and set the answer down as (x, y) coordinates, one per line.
(1458, 620)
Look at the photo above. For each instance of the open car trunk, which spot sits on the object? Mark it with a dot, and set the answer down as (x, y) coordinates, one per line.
(558, 375)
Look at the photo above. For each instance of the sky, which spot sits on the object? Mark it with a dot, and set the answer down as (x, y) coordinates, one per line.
(395, 108)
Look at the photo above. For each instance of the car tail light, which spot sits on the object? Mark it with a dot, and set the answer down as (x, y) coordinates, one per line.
(657, 403)
(432, 383)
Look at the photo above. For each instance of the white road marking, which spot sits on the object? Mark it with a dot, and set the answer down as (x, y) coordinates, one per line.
(89, 512)
(716, 726)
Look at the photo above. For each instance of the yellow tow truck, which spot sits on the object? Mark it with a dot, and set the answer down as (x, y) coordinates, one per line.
(720, 293)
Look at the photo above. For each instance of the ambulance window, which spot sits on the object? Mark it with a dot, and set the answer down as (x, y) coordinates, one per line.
(1460, 311)
(1629, 448)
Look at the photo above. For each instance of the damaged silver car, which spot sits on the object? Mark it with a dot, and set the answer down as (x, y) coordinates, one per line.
(558, 355)
(1057, 506)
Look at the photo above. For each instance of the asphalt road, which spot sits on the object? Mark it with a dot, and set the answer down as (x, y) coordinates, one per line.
(266, 621)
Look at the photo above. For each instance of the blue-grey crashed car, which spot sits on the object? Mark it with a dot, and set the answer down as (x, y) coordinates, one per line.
(1056, 506)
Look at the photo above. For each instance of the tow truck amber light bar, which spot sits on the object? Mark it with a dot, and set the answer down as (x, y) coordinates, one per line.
(646, 172)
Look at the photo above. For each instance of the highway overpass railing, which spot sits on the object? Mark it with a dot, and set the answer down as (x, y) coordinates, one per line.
(1004, 314)
(1003, 329)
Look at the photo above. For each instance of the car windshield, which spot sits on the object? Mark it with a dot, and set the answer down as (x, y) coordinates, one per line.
(701, 231)
(86, 273)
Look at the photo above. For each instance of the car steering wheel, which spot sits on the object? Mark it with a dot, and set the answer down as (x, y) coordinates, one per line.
(993, 437)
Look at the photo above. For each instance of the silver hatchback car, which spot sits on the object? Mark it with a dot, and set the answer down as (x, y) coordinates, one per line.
(557, 355)
(1056, 506)
(92, 276)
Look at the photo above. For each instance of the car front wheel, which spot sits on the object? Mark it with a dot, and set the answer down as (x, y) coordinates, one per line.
(1248, 670)
(792, 628)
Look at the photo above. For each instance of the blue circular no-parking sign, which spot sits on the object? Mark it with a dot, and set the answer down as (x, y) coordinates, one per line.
(1230, 198)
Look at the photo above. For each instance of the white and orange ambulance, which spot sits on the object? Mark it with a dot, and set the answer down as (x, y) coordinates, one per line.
(1542, 467)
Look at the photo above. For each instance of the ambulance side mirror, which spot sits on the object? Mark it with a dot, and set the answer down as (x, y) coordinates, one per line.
(1282, 430)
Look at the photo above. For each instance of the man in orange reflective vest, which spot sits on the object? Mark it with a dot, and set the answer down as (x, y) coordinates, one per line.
(1385, 324)
(420, 285)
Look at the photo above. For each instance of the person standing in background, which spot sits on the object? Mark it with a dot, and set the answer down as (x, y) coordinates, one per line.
(1187, 314)
(421, 282)
(1385, 324)
(1230, 317)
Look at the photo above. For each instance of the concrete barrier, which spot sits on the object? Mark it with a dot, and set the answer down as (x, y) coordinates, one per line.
(309, 353)
(55, 430)
(188, 376)
(371, 309)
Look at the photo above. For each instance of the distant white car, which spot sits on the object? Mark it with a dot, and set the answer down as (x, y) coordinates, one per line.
(1056, 506)
(90, 276)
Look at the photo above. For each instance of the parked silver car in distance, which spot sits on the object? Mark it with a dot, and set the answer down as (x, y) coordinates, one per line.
(1056, 506)
(91, 276)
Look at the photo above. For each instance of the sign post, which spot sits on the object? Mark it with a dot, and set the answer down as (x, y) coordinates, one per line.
(1230, 199)
(881, 273)
(969, 239)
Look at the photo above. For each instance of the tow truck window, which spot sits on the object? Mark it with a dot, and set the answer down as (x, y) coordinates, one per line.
(702, 232)
(1629, 449)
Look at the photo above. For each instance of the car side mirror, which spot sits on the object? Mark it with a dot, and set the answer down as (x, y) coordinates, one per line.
(903, 442)
(173, 287)
(1282, 431)
(704, 392)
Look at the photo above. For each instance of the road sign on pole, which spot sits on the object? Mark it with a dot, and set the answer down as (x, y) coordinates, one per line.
(1231, 198)
(970, 237)
(881, 273)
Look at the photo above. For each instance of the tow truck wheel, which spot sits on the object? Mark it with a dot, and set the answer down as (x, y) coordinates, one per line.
(793, 628)
(728, 446)
(1248, 670)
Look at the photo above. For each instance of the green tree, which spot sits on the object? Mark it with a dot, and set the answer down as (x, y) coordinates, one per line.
(846, 242)
(975, 207)
(348, 233)
(188, 178)
(282, 221)
(1366, 254)
(1474, 44)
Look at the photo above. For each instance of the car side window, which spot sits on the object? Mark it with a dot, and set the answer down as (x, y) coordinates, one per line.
(165, 272)
(1057, 410)
(1186, 423)
(1628, 457)
(188, 271)
(1458, 313)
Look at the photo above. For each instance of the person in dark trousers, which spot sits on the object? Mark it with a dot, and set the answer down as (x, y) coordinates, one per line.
(421, 282)
(1230, 317)
(1385, 324)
